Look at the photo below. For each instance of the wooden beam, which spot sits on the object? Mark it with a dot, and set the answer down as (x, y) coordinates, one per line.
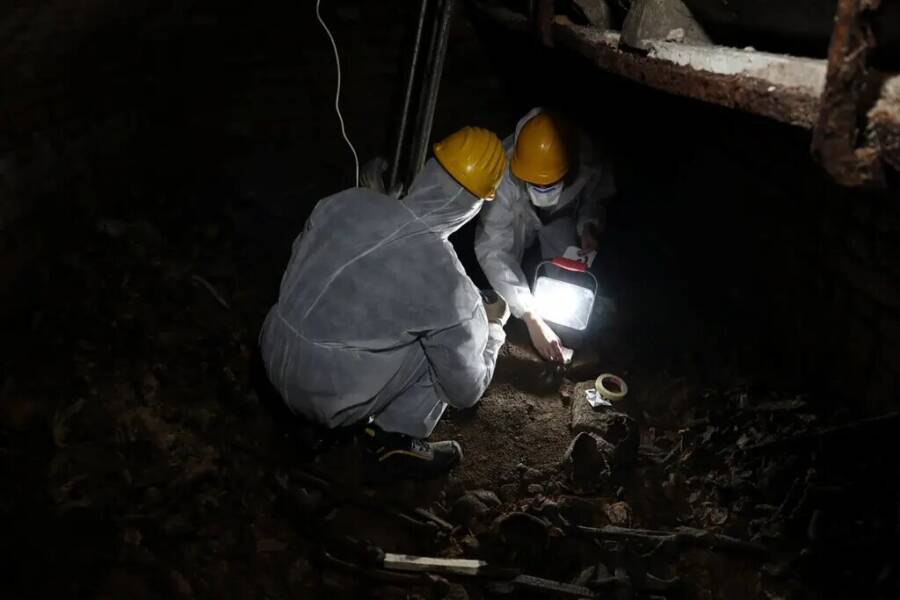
(446, 566)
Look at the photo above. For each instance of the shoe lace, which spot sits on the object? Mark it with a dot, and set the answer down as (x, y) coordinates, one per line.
(417, 445)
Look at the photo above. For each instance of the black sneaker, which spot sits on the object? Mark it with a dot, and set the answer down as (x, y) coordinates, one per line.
(398, 456)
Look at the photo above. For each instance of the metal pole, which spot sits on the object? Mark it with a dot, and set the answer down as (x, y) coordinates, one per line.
(407, 99)
(420, 148)
(424, 85)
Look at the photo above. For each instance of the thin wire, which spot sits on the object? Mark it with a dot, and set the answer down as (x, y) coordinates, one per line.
(337, 93)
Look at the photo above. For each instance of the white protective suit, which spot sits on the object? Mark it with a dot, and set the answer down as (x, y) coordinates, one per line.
(510, 224)
(376, 315)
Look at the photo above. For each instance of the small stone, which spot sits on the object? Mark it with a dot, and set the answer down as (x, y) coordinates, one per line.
(455, 489)
(508, 492)
(673, 487)
(467, 509)
(470, 544)
(178, 525)
(337, 581)
(550, 510)
(597, 13)
(500, 588)
(581, 511)
(675, 35)
(18, 413)
(585, 577)
(308, 501)
(149, 387)
(530, 475)
(152, 495)
(300, 571)
(111, 227)
(588, 459)
(612, 426)
(549, 506)
(649, 20)
(535, 489)
(181, 586)
(619, 513)
(617, 428)
(814, 528)
(270, 545)
(201, 418)
(523, 534)
(120, 583)
(487, 496)
(132, 536)
(455, 591)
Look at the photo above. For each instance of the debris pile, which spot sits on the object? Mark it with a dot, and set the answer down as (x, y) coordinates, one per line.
(144, 463)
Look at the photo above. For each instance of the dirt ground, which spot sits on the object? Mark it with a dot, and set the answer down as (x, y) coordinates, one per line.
(522, 420)
(143, 460)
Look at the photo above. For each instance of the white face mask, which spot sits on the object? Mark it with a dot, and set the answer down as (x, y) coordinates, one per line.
(545, 197)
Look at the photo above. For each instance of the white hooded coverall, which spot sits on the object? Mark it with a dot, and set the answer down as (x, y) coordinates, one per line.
(376, 316)
(510, 224)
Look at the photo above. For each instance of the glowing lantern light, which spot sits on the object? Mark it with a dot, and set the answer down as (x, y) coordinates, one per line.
(564, 292)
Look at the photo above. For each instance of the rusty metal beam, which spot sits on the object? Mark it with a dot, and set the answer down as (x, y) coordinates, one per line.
(793, 105)
(836, 136)
(757, 95)
(830, 97)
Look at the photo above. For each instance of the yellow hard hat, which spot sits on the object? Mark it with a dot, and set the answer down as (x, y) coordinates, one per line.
(475, 158)
(543, 152)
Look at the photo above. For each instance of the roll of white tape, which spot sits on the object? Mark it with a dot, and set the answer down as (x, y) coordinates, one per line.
(611, 387)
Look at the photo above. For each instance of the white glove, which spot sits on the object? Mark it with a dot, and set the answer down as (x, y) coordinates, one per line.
(545, 341)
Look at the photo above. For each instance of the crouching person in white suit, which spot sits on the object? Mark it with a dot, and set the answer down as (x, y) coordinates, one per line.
(377, 323)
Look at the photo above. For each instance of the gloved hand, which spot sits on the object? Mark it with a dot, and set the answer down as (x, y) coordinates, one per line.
(496, 308)
(545, 341)
(371, 175)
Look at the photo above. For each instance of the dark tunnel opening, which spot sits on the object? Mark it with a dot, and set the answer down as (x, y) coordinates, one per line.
(157, 162)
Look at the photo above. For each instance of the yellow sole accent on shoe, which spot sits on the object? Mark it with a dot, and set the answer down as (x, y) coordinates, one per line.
(406, 452)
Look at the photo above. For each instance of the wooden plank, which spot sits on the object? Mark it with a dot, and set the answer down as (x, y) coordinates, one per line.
(548, 586)
(450, 566)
